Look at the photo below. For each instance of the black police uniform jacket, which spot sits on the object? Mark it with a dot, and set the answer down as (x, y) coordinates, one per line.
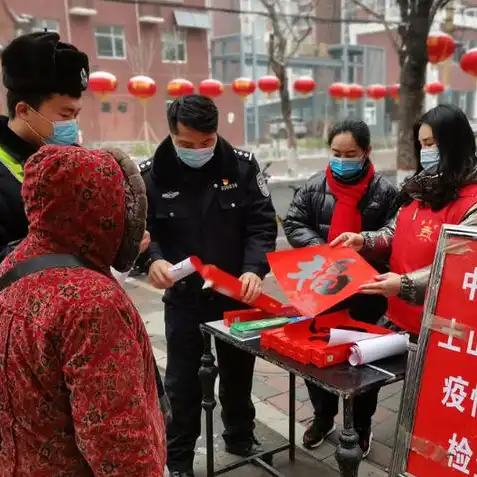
(308, 222)
(13, 221)
(221, 213)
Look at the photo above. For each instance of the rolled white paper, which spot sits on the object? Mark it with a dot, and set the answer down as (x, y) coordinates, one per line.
(120, 277)
(375, 349)
(339, 337)
(182, 269)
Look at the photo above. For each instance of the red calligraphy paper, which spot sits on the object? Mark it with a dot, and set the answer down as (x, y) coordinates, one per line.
(230, 286)
(319, 277)
(444, 437)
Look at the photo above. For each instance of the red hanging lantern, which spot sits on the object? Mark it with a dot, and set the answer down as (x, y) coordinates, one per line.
(338, 91)
(211, 88)
(102, 83)
(269, 84)
(376, 92)
(244, 87)
(468, 62)
(142, 87)
(355, 92)
(304, 85)
(179, 87)
(434, 88)
(440, 47)
(394, 91)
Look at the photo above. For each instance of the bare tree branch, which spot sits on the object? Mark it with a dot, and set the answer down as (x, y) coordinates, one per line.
(436, 6)
(381, 18)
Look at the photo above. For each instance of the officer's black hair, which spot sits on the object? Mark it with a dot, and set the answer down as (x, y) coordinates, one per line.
(195, 112)
(357, 128)
(34, 100)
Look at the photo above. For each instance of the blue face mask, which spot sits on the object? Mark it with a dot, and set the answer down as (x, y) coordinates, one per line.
(429, 158)
(346, 167)
(195, 158)
(65, 133)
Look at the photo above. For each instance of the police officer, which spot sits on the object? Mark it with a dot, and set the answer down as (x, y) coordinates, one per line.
(210, 200)
(44, 79)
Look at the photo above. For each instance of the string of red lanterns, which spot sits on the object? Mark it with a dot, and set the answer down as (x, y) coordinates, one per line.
(440, 47)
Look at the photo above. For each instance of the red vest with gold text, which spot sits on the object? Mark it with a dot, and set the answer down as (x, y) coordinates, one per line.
(414, 246)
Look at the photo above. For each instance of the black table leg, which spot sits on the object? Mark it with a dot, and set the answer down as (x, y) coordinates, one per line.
(291, 417)
(208, 374)
(348, 453)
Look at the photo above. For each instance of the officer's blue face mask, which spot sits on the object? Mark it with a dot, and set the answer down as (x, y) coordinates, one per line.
(65, 133)
(195, 158)
(429, 158)
(346, 168)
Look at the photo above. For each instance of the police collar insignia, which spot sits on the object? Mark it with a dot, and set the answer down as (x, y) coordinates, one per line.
(170, 195)
(84, 78)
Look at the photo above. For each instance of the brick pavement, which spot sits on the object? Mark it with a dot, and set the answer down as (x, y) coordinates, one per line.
(270, 390)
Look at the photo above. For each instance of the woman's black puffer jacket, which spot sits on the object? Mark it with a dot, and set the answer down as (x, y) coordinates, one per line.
(308, 223)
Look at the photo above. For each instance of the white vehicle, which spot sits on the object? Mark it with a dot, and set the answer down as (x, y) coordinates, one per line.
(278, 130)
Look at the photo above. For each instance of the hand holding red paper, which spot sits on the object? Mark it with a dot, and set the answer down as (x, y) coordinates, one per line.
(230, 286)
(388, 284)
(317, 278)
(252, 287)
(349, 239)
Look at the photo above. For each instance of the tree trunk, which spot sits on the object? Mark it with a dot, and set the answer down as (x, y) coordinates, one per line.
(286, 108)
(413, 60)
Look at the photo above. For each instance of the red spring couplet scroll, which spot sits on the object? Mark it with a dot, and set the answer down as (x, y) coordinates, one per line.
(226, 284)
(319, 277)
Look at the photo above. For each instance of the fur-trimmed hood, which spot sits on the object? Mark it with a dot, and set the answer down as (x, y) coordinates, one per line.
(86, 203)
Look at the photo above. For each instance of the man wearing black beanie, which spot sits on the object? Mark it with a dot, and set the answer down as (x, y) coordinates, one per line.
(45, 79)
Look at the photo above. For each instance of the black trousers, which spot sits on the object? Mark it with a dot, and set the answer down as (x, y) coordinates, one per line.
(184, 351)
(325, 405)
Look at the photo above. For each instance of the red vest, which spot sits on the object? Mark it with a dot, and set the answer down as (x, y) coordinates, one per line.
(414, 246)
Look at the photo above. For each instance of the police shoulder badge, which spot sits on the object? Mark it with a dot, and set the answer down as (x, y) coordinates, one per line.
(262, 185)
(84, 78)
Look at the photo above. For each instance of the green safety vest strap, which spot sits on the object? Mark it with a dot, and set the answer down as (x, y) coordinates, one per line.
(12, 165)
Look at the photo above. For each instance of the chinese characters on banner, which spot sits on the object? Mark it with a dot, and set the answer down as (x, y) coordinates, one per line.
(444, 438)
(317, 278)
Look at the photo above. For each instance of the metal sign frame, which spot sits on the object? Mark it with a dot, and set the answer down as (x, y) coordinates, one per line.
(417, 354)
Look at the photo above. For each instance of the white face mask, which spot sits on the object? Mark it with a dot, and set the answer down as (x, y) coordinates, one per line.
(429, 158)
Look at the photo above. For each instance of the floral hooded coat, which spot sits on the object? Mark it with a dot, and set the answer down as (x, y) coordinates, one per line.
(78, 395)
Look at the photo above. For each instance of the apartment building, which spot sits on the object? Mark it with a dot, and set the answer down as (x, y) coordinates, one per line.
(127, 39)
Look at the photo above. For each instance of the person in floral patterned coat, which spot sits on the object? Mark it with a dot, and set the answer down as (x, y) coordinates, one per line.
(78, 395)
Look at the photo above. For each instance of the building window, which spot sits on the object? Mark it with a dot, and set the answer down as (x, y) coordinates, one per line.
(123, 107)
(174, 47)
(110, 42)
(49, 25)
(105, 107)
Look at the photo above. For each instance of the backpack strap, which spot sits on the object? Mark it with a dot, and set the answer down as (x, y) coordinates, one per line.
(42, 262)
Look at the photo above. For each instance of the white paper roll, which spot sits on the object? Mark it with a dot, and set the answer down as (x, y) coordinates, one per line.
(182, 269)
(374, 349)
(120, 277)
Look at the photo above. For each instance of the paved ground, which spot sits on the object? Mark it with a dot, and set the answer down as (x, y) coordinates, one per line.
(271, 400)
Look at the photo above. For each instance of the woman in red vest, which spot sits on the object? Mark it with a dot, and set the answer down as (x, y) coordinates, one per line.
(442, 191)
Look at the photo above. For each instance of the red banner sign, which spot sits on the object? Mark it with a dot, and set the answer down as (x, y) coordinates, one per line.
(317, 278)
(444, 437)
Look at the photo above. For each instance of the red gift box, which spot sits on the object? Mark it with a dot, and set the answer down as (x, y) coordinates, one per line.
(307, 341)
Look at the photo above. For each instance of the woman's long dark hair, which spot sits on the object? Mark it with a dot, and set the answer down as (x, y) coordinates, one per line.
(455, 141)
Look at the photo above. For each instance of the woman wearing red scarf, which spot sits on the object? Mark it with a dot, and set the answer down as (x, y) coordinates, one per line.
(443, 191)
(348, 195)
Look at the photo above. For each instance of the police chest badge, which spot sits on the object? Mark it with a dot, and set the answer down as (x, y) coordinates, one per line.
(262, 185)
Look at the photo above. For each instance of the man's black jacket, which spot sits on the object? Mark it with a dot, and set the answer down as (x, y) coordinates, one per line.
(13, 221)
(221, 213)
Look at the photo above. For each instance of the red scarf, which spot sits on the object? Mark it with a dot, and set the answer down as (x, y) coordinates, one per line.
(346, 216)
